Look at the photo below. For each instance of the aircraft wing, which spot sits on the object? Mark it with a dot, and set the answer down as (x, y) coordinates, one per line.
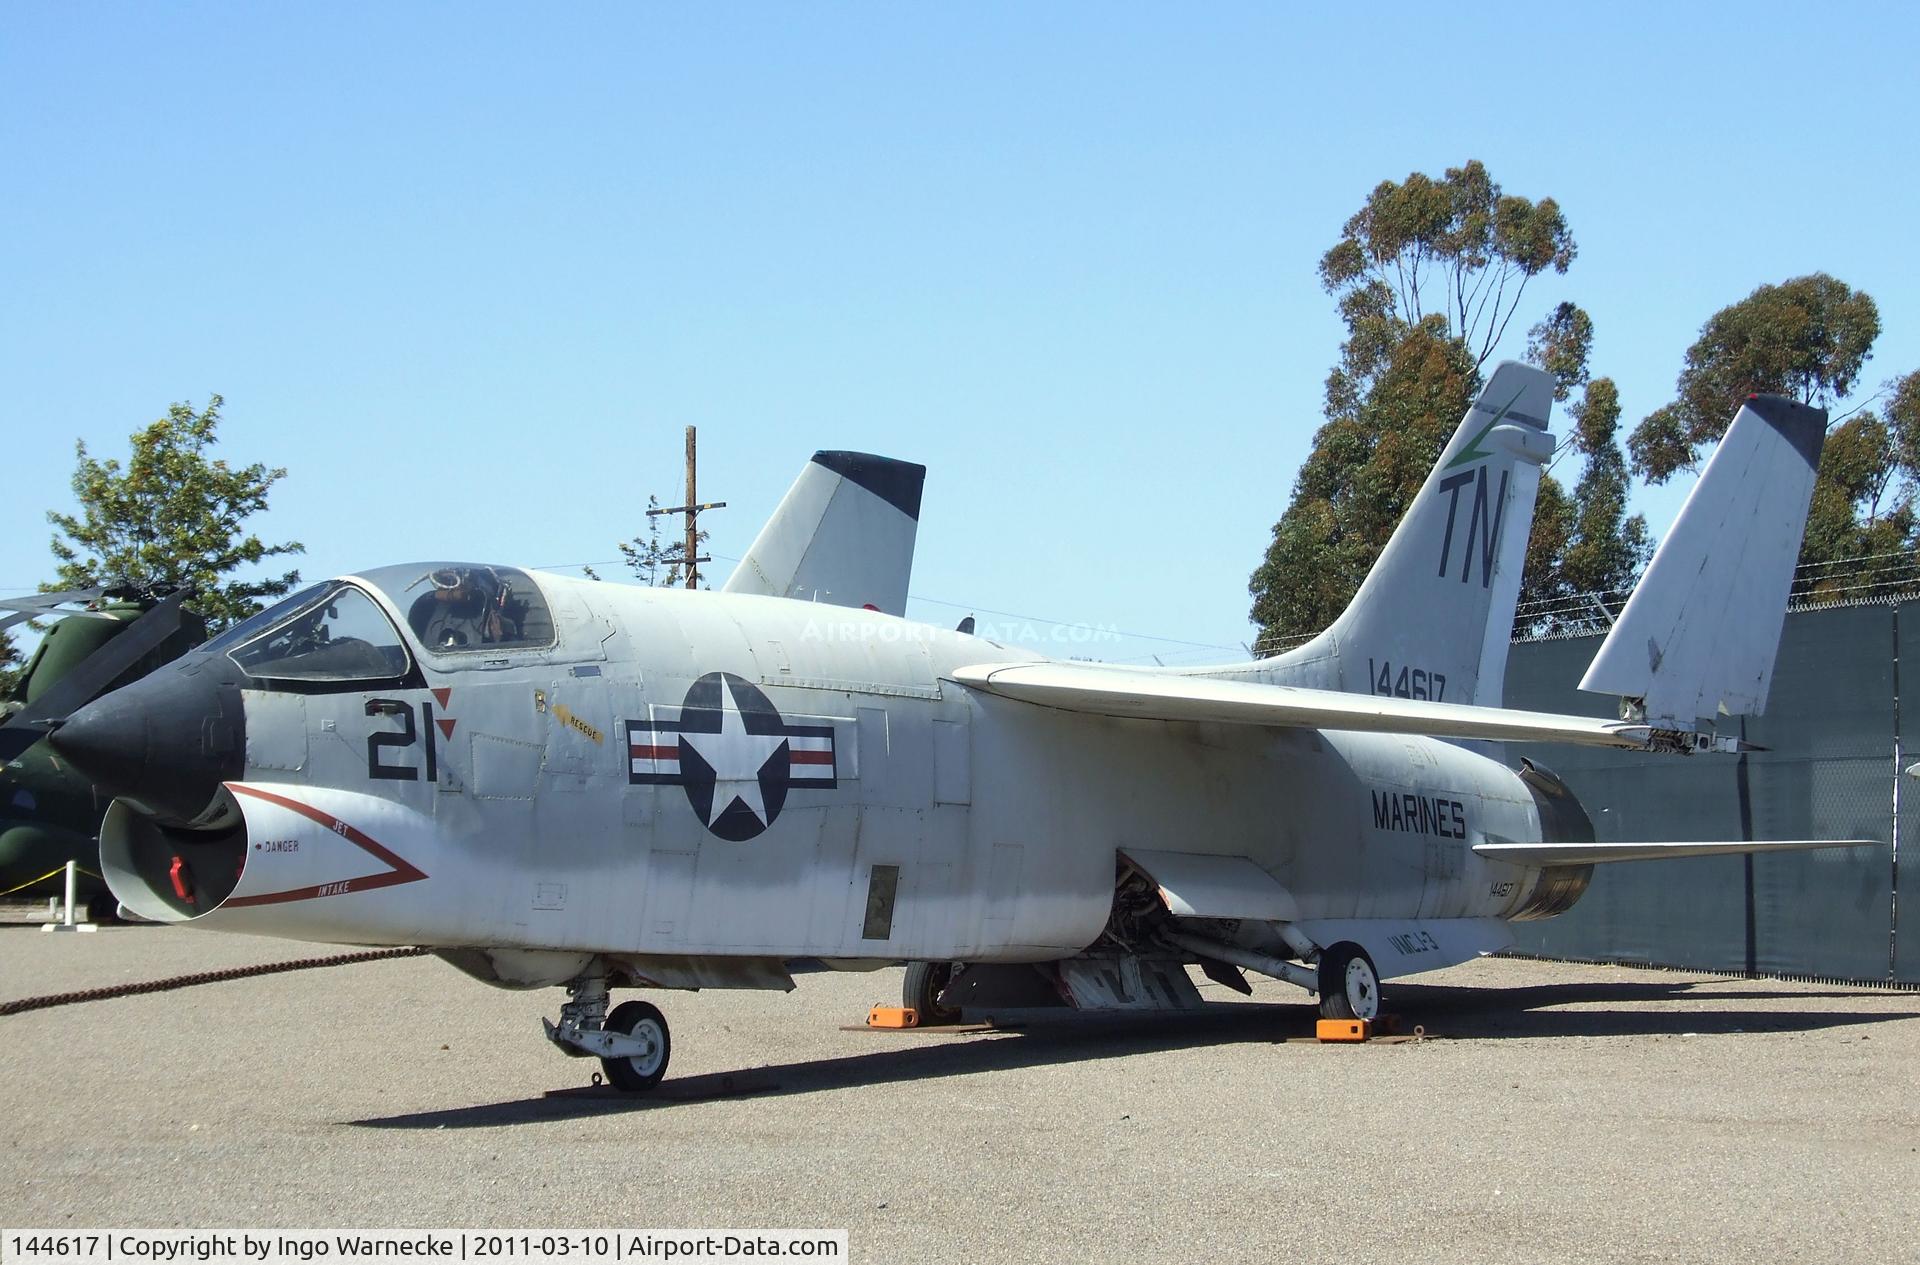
(1100, 690)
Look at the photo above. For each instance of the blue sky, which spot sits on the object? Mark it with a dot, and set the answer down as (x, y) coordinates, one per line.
(466, 271)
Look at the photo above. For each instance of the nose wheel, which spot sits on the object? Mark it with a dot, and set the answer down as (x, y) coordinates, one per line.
(642, 1024)
(1349, 984)
(632, 1043)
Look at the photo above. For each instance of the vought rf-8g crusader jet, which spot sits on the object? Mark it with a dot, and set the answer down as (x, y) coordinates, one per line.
(553, 782)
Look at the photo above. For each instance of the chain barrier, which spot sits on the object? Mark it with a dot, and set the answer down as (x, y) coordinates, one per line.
(204, 977)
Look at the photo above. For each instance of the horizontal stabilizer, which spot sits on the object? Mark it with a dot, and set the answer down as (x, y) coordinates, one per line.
(1141, 694)
(1597, 853)
(1699, 635)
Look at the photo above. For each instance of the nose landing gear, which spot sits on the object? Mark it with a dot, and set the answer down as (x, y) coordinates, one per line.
(633, 1043)
(641, 1025)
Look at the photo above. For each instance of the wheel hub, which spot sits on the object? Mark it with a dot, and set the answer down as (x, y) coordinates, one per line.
(1363, 990)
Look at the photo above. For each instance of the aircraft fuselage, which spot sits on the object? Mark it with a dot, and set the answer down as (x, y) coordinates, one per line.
(683, 777)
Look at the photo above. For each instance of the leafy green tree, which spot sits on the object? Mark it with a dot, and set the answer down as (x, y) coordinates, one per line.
(1585, 543)
(1903, 419)
(1807, 338)
(1459, 247)
(1561, 344)
(1864, 499)
(1368, 462)
(1428, 276)
(10, 663)
(1609, 548)
(656, 565)
(172, 515)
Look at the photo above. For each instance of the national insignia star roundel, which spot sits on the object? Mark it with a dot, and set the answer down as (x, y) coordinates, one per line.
(729, 747)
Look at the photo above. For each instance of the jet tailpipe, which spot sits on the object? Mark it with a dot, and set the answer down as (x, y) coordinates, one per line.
(1279, 968)
(1562, 820)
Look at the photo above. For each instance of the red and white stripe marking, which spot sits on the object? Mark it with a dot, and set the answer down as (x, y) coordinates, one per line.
(655, 755)
(809, 759)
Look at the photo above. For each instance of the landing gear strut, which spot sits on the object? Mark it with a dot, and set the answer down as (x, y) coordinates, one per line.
(632, 1043)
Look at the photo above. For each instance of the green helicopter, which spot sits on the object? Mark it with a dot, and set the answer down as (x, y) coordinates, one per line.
(49, 812)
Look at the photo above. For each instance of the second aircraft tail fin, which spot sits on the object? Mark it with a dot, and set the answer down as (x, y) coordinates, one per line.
(1699, 634)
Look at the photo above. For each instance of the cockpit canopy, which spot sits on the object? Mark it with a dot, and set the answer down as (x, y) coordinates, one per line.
(334, 632)
(463, 606)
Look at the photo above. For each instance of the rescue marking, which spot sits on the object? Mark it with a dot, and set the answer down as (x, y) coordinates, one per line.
(571, 721)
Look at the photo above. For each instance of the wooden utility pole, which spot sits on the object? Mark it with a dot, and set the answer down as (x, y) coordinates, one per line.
(691, 558)
(693, 518)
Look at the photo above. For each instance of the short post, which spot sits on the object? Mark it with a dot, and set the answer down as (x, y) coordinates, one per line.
(68, 924)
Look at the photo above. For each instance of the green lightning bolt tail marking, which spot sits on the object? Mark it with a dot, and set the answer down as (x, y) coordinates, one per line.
(1473, 451)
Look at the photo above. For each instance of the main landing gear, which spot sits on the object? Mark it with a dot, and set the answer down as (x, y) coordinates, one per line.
(632, 1043)
(920, 991)
(1342, 974)
(1349, 984)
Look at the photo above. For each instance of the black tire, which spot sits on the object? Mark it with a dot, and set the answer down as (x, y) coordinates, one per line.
(921, 989)
(1345, 993)
(636, 1075)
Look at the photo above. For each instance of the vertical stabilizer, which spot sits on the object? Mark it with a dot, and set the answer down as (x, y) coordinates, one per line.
(1432, 620)
(1699, 635)
(843, 534)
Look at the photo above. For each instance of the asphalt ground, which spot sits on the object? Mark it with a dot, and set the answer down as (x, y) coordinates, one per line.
(1553, 1112)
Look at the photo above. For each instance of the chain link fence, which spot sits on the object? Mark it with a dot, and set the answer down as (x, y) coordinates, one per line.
(1834, 767)
(1877, 579)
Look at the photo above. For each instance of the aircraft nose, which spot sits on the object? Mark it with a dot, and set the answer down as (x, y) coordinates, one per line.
(166, 742)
